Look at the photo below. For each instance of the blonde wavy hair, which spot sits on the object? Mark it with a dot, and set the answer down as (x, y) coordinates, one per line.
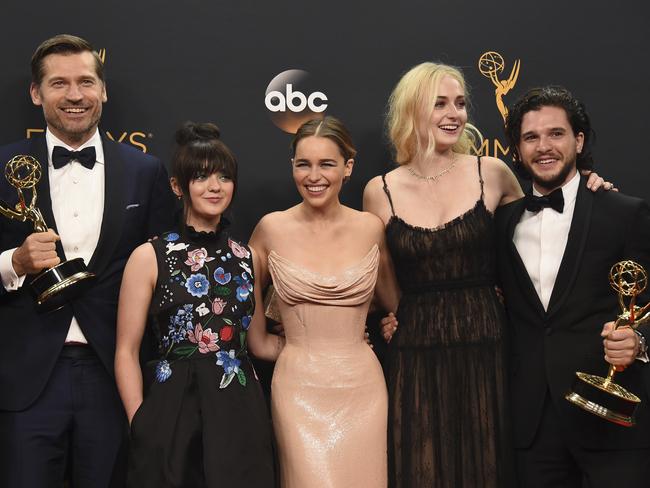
(416, 89)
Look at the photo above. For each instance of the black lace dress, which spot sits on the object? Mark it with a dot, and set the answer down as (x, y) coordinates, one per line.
(446, 371)
(203, 422)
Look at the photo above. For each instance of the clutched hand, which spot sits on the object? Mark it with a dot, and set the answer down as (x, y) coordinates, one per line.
(389, 326)
(621, 345)
(36, 253)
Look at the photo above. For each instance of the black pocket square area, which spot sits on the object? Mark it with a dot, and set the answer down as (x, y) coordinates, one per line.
(131, 206)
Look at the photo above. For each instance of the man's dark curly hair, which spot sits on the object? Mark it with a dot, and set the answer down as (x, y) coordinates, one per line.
(552, 96)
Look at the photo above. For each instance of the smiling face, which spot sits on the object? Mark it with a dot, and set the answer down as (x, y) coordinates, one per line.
(71, 95)
(319, 170)
(548, 147)
(209, 197)
(447, 120)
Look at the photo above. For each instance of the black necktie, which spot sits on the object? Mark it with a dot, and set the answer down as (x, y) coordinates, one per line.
(554, 200)
(61, 156)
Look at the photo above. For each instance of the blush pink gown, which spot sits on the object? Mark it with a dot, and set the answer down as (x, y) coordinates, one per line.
(329, 400)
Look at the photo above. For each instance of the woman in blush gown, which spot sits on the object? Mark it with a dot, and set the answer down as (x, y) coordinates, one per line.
(329, 400)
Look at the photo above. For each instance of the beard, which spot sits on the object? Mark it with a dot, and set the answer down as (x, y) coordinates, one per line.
(555, 181)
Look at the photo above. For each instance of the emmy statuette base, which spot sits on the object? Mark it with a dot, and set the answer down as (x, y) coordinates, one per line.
(604, 398)
(56, 286)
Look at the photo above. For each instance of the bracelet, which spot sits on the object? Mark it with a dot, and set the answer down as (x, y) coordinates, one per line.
(643, 346)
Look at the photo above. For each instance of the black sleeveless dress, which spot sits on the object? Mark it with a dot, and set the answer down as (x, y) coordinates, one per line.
(447, 421)
(203, 422)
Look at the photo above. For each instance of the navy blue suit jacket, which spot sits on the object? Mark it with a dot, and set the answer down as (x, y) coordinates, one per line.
(138, 204)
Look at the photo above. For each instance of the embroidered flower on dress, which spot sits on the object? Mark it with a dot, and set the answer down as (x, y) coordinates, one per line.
(227, 331)
(245, 287)
(206, 339)
(163, 371)
(197, 258)
(197, 285)
(221, 276)
(246, 321)
(229, 362)
(238, 250)
(218, 305)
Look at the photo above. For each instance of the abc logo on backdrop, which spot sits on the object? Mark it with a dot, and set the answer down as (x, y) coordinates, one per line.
(292, 98)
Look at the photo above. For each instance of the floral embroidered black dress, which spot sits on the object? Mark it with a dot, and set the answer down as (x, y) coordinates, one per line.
(203, 421)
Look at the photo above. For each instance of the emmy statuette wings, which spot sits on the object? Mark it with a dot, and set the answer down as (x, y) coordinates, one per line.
(601, 396)
(58, 285)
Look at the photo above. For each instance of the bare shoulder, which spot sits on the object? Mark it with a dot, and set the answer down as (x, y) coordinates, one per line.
(270, 222)
(142, 264)
(376, 184)
(144, 253)
(501, 184)
(494, 166)
(373, 187)
(367, 223)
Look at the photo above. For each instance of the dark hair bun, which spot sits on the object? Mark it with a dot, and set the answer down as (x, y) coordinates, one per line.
(197, 131)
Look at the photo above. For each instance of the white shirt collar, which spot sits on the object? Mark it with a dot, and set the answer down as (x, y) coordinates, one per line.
(569, 189)
(95, 140)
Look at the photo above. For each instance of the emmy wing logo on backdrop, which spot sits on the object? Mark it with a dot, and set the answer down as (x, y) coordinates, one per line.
(292, 99)
(135, 138)
(492, 65)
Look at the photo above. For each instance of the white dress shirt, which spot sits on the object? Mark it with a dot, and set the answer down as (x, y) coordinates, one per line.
(77, 195)
(541, 237)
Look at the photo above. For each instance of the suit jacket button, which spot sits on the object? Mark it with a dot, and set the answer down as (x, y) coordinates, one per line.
(548, 331)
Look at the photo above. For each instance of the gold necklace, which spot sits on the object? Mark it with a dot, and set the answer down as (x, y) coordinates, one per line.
(433, 177)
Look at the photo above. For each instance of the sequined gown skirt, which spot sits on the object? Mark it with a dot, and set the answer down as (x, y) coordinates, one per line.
(329, 398)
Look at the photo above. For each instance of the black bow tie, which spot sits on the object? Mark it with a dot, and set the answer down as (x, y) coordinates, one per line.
(554, 200)
(61, 156)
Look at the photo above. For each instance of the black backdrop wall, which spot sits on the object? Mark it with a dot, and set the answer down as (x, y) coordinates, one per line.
(214, 61)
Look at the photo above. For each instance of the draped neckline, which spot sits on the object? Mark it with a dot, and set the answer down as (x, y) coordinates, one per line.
(338, 276)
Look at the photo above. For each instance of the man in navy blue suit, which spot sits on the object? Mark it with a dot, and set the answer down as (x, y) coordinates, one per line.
(59, 405)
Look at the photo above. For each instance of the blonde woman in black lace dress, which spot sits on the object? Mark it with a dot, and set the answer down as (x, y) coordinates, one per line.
(448, 416)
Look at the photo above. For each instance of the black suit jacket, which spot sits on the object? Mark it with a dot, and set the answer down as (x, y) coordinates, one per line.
(138, 204)
(548, 347)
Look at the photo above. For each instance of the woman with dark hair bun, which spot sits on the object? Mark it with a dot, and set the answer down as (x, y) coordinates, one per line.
(329, 402)
(203, 421)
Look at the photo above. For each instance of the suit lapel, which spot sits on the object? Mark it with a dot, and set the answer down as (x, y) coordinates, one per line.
(38, 150)
(518, 264)
(575, 245)
(113, 215)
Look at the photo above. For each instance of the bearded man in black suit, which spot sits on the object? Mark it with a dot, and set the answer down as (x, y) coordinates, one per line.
(555, 249)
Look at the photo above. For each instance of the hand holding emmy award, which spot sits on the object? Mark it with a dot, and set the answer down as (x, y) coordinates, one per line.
(601, 396)
(61, 281)
(36, 253)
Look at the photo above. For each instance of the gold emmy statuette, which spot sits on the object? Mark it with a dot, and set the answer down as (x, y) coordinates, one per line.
(55, 286)
(601, 396)
(491, 64)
